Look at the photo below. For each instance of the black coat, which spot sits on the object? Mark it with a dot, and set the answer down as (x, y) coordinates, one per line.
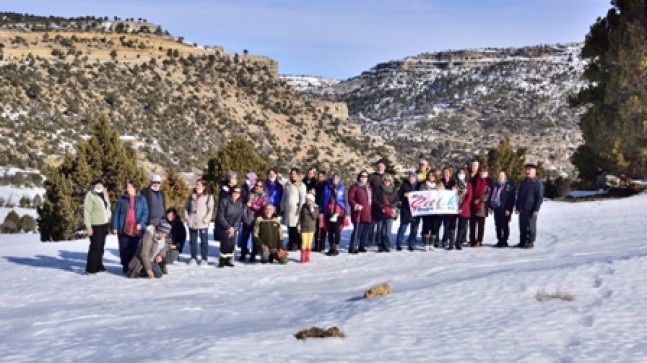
(405, 211)
(178, 233)
(531, 195)
(230, 214)
(381, 199)
(507, 197)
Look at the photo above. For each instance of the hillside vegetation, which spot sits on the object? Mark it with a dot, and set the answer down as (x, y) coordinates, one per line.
(174, 102)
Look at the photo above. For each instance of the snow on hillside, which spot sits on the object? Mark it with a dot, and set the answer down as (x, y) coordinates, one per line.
(468, 306)
(11, 194)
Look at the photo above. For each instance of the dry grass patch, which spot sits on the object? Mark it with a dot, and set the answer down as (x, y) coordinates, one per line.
(384, 289)
(543, 295)
(316, 332)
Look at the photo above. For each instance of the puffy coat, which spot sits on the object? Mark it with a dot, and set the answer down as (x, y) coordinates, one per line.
(146, 253)
(121, 210)
(337, 194)
(198, 211)
(405, 210)
(384, 197)
(294, 196)
(257, 203)
(308, 218)
(230, 214)
(360, 194)
(274, 193)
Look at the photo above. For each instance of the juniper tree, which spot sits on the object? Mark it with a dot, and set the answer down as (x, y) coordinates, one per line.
(14, 219)
(56, 220)
(614, 125)
(175, 190)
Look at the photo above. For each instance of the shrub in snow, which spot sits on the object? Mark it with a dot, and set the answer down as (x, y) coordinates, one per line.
(316, 332)
(384, 289)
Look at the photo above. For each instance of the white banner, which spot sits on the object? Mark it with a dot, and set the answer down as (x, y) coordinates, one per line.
(426, 202)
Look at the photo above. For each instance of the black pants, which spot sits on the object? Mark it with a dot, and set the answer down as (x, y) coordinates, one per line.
(431, 225)
(527, 227)
(227, 244)
(477, 229)
(334, 232)
(95, 251)
(294, 239)
(502, 224)
(127, 248)
(461, 234)
(449, 227)
(319, 243)
(246, 232)
(371, 235)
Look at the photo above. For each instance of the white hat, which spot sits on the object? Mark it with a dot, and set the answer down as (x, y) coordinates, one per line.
(310, 197)
(155, 178)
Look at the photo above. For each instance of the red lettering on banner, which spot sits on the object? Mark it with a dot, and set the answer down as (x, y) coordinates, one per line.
(419, 201)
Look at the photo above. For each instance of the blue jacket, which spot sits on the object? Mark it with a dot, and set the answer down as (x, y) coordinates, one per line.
(531, 195)
(121, 209)
(340, 196)
(274, 194)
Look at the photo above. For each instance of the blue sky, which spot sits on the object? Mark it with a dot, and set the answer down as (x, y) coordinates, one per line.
(342, 38)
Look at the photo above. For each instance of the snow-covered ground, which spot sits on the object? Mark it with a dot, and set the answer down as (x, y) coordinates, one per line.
(12, 194)
(446, 306)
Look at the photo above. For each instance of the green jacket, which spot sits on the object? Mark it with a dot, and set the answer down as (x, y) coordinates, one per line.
(268, 232)
(95, 211)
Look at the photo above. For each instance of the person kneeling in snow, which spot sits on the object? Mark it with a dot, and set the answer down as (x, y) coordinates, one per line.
(149, 258)
(269, 237)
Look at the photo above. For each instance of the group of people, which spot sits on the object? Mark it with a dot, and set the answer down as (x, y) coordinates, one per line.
(314, 209)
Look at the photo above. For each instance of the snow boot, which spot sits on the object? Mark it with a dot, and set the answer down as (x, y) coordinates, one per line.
(221, 262)
(229, 262)
(307, 259)
(451, 239)
(302, 258)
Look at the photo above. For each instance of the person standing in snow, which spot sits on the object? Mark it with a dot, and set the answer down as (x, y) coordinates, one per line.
(431, 223)
(406, 219)
(155, 200)
(529, 200)
(149, 260)
(96, 215)
(198, 211)
(360, 197)
(229, 217)
(320, 233)
(502, 203)
(335, 211)
(464, 193)
(294, 196)
(449, 220)
(307, 223)
(129, 221)
(375, 180)
(311, 181)
(384, 211)
(274, 190)
(480, 197)
(255, 203)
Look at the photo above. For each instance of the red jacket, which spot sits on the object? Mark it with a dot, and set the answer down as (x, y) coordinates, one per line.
(466, 203)
(481, 193)
(359, 195)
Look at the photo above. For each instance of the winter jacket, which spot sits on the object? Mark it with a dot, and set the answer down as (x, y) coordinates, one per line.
(178, 233)
(294, 196)
(145, 254)
(319, 197)
(503, 197)
(121, 210)
(360, 194)
(311, 185)
(274, 193)
(96, 209)
(422, 175)
(334, 195)
(425, 186)
(268, 232)
(155, 200)
(308, 218)
(230, 214)
(256, 203)
(384, 197)
(531, 195)
(375, 180)
(480, 194)
(198, 210)
(405, 210)
(464, 192)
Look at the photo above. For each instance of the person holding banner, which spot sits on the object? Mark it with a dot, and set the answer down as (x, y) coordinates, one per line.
(406, 219)
(481, 196)
(384, 212)
(449, 220)
(431, 223)
(464, 193)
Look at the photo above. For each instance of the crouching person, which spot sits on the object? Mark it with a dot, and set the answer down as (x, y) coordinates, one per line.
(177, 236)
(269, 237)
(151, 252)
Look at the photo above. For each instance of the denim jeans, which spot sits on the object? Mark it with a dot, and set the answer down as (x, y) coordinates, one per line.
(383, 233)
(204, 243)
(360, 234)
(413, 231)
